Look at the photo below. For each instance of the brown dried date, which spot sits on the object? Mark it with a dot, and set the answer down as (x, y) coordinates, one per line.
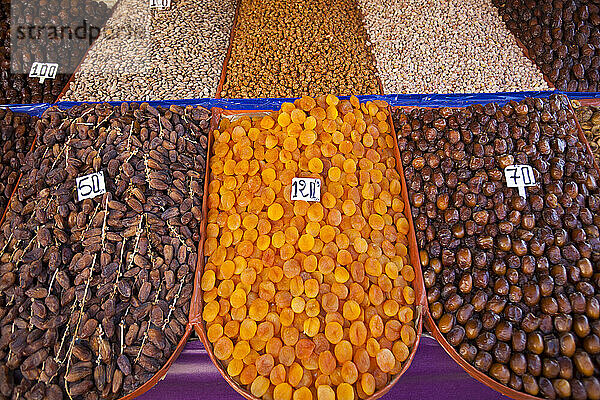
(511, 282)
(96, 293)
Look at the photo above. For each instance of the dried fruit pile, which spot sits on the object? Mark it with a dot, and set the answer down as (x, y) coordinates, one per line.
(562, 37)
(308, 299)
(589, 119)
(304, 47)
(94, 294)
(512, 283)
(38, 21)
(16, 138)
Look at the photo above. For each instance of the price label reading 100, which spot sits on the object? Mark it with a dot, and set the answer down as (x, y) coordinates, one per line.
(307, 189)
(160, 4)
(90, 186)
(43, 71)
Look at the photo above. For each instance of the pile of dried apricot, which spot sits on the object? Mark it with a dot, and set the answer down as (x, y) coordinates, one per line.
(308, 300)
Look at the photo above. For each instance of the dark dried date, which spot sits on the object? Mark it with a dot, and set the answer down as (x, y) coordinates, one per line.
(95, 293)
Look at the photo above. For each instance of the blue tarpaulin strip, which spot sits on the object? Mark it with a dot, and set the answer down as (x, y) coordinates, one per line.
(414, 100)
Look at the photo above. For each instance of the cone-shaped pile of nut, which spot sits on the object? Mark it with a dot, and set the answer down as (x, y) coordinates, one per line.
(512, 282)
(430, 46)
(310, 300)
(94, 294)
(145, 54)
(294, 48)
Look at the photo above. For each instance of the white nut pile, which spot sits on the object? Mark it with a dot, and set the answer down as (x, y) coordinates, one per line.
(145, 54)
(450, 46)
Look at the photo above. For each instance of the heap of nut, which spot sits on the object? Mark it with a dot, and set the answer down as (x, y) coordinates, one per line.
(561, 36)
(512, 282)
(94, 294)
(302, 299)
(16, 138)
(286, 48)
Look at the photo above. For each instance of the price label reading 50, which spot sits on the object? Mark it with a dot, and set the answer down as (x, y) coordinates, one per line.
(90, 186)
(519, 176)
(308, 189)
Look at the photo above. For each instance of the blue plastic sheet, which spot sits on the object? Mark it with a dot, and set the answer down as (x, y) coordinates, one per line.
(415, 100)
(407, 100)
(31, 109)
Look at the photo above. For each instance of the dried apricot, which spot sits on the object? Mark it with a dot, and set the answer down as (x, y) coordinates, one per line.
(308, 299)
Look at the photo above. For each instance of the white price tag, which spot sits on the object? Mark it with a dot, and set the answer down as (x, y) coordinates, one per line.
(43, 71)
(160, 4)
(308, 189)
(519, 176)
(90, 186)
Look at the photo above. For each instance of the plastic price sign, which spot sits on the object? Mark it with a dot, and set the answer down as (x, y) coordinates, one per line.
(519, 176)
(160, 4)
(43, 71)
(90, 186)
(307, 189)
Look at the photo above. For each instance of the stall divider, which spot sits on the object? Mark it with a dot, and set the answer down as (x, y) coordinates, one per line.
(228, 54)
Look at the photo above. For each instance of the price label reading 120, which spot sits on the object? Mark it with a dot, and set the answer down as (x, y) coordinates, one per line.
(307, 189)
(90, 186)
(519, 176)
(43, 71)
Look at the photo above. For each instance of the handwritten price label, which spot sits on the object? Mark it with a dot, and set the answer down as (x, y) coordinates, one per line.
(519, 176)
(90, 186)
(160, 4)
(43, 71)
(308, 189)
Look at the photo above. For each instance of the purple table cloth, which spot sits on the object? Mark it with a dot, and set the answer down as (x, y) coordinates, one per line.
(432, 375)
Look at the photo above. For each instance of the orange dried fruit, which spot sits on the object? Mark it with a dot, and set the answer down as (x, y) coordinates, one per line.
(306, 242)
(315, 212)
(275, 212)
(315, 165)
(348, 207)
(327, 233)
(349, 166)
(308, 136)
(290, 144)
(334, 174)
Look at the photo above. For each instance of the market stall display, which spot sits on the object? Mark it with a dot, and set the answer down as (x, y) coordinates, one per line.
(95, 291)
(306, 47)
(36, 23)
(145, 54)
(511, 278)
(309, 298)
(16, 138)
(561, 37)
(424, 46)
(194, 373)
(589, 120)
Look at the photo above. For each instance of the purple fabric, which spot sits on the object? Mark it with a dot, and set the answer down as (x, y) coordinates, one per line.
(432, 375)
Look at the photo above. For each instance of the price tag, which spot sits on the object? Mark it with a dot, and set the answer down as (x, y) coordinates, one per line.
(519, 176)
(90, 186)
(43, 71)
(308, 189)
(160, 4)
